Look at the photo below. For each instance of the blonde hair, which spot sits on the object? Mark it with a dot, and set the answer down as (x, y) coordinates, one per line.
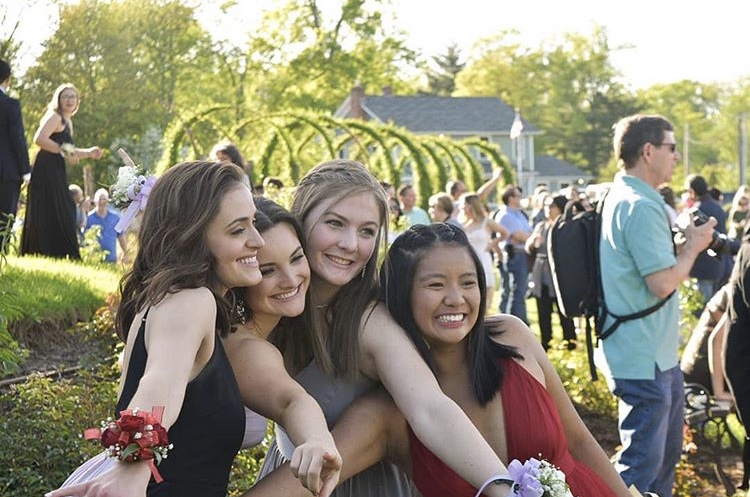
(54, 103)
(338, 351)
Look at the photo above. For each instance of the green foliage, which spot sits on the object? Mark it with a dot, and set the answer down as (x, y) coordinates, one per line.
(573, 368)
(441, 77)
(56, 289)
(567, 88)
(247, 464)
(41, 425)
(91, 250)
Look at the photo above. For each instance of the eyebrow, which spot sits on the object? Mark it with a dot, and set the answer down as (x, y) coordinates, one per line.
(239, 220)
(472, 274)
(343, 218)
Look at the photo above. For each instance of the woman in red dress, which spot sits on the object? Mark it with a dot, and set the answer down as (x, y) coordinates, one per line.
(497, 372)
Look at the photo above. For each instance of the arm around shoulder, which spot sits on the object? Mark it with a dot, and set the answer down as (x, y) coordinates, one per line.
(438, 421)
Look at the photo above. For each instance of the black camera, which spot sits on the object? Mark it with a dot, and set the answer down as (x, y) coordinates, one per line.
(719, 241)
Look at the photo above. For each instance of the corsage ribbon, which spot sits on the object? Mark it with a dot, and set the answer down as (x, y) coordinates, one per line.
(136, 435)
(138, 204)
(132, 189)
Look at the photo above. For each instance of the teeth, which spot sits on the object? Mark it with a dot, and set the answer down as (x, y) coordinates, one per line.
(247, 260)
(450, 318)
(284, 296)
(339, 260)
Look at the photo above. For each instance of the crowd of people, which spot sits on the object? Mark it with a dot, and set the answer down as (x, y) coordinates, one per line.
(400, 377)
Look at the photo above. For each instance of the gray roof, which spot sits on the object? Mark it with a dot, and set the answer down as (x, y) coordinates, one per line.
(546, 165)
(431, 114)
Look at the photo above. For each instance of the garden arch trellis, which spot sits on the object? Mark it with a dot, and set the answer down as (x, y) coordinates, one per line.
(288, 144)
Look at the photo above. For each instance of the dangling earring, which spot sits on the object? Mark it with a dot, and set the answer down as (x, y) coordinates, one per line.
(240, 311)
(364, 268)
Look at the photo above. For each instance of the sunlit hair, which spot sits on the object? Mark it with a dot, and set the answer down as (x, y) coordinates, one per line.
(173, 251)
(397, 276)
(633, 132)
(55, 105)
(230, 150)
(338, 353)
(444, 202)
(475, 205)
(267, 215)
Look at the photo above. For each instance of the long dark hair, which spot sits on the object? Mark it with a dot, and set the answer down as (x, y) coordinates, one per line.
(173, 252)
(397, 279)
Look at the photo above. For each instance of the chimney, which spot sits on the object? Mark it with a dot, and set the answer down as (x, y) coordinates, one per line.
(387, 90)
(357, 98)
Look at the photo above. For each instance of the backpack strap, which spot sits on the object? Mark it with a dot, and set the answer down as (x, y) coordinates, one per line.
(629, 317)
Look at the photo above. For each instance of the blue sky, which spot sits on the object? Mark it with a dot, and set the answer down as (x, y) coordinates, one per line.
(663, 41)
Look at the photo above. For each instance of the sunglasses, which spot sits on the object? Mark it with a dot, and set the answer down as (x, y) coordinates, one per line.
(672, 146)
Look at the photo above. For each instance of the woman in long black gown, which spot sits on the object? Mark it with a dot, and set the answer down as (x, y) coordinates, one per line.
(737, 345)
(50, 222)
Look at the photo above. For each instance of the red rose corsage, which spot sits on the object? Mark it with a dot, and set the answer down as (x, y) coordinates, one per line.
(136, 436)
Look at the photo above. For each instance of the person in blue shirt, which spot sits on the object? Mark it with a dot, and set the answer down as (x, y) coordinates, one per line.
(641, 266)
(105, 217)
(514, 268)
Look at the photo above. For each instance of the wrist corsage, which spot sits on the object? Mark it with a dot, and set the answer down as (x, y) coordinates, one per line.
(67, 150)
(135, 436)
(131, 190)
(534, 478)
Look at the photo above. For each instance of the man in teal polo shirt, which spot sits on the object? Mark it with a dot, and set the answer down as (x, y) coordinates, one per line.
(640, 268)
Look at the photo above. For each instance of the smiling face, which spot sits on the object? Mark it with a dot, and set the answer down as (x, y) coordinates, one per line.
(68, 101)
(286, 276)
(341, 237)
(233, 240)
(445, 296)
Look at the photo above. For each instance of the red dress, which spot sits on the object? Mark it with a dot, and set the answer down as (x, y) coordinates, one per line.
(532, 427)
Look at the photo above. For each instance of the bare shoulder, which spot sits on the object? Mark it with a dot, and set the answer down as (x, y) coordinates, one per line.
(244, 344)
(188, 308)
(510, 330)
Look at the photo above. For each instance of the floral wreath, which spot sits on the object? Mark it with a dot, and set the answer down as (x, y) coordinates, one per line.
(131, 190)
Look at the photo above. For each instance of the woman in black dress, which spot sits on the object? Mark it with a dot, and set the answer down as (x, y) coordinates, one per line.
(50, 221)
(737, 345)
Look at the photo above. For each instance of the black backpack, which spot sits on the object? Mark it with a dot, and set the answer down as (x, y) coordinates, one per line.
(573, 254)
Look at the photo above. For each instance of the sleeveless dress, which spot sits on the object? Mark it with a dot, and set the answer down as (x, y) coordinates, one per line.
(49, 227)
(479, 239)
(532, 427)
(207, 433)
(334, 395)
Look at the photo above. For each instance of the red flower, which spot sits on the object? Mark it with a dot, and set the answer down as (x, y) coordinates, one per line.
(145, 454)
(161, 432)
(109, 437)
(130, 423)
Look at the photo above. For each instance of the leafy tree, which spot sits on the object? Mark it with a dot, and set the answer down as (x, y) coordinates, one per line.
(568, 89)
(136, 63)
(442, 78)
(303, 59)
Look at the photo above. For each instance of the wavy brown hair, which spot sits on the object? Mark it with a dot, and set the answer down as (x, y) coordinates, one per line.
(173, 251)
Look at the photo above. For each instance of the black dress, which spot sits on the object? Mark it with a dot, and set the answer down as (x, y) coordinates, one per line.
(50, 223)
(208, 432)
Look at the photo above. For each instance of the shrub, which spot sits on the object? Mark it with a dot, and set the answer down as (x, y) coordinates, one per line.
(42, 421)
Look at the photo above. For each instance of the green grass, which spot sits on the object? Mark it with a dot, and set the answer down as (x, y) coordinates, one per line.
(35, 289)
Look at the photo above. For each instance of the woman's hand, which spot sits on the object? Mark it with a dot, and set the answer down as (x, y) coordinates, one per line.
(91, 152)
(317, 464)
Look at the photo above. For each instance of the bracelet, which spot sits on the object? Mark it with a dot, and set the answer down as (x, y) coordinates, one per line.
(497, 480)
(135, 436)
